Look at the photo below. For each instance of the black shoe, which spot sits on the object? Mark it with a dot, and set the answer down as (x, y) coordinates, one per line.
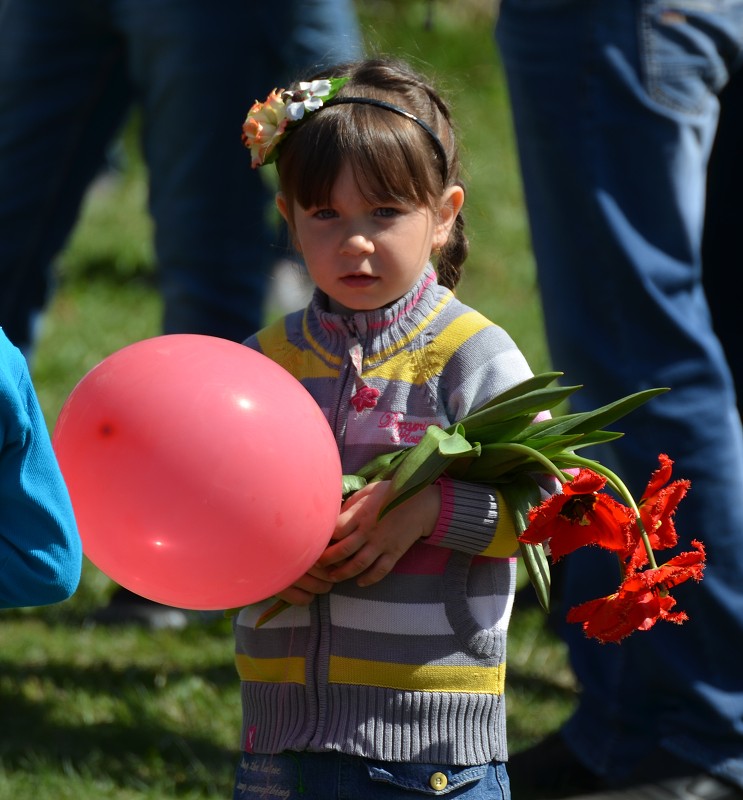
(549, 770)
(663, 776)
(127, 608)
(699, 786)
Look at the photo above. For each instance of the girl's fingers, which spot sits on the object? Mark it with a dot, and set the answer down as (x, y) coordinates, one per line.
(378, 570)
(296, 596)
(355, 565)
(315, 581)
(338, 552)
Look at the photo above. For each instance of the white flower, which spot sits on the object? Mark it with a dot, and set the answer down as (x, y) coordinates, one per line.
(269, 122)
(307, 97)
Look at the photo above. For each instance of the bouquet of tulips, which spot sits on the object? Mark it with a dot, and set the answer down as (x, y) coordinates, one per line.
(504, 441)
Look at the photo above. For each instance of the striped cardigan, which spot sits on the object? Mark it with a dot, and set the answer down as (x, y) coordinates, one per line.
(412, 668)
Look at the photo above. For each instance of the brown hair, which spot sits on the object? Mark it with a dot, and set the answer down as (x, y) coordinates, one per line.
(392, 157)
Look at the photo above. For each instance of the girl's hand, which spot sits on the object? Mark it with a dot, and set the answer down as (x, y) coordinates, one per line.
(365, 547)
(301, 593)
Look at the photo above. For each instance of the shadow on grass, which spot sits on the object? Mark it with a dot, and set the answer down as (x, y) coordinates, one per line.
(161, 710)
(541, 691)
(139, 745)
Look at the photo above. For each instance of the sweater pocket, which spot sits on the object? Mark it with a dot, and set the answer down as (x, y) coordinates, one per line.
(432, 780)
(478, 596)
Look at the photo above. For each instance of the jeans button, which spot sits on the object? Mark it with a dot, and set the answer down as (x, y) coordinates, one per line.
(438, 781)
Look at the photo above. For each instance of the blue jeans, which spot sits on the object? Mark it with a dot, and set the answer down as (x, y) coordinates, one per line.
(320, 776)
(722, 243)
(615, 109)
(70, 70)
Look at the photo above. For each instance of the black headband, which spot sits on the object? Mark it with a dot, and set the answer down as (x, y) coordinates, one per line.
(370, 101)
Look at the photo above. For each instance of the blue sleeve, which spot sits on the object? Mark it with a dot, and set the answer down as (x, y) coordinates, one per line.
(40, 549)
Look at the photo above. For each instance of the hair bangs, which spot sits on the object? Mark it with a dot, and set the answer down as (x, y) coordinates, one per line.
(391, 159)
(382, 149)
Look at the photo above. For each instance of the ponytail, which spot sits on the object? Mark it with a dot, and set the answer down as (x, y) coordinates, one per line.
(453, 255)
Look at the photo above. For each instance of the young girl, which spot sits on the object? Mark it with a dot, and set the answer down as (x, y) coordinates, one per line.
(385, 677)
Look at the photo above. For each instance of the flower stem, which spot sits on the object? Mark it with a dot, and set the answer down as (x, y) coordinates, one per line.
(540, 458)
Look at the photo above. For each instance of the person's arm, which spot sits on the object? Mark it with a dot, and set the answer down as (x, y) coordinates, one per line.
(366, 547)
(468, 517)
(40, 549)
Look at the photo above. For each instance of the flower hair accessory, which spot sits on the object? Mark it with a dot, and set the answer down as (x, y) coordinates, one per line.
(268, 123)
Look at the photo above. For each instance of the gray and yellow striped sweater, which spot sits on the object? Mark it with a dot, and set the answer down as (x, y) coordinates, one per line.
(412, 668)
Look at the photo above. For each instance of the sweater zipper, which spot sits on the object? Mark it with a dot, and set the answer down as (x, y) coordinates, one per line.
(352, 355)
(320, 669)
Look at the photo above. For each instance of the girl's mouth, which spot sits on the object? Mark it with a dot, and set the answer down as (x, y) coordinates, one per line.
(358, 281)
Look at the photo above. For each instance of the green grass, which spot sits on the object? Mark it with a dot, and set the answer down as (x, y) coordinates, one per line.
(90, 712)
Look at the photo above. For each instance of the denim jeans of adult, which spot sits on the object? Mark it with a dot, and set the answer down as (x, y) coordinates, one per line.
(722, 244)
(320, 776)
(615, 108)
(70, 70)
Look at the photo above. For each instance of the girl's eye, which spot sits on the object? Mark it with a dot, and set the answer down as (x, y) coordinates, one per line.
(386, 212)
(324, 213)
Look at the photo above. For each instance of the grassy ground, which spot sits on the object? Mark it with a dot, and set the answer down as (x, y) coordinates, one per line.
(98, 713)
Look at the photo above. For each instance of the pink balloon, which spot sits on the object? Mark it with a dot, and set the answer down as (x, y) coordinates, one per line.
(202, 474)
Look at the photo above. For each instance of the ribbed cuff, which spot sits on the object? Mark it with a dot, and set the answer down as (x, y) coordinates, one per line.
(468, 517)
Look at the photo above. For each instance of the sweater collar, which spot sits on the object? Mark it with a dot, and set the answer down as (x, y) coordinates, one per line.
(381, 326)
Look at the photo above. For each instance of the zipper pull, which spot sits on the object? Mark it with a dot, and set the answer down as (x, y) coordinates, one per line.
(364, 396)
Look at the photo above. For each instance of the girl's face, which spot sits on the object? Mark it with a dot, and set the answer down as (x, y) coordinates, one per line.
(363, 255)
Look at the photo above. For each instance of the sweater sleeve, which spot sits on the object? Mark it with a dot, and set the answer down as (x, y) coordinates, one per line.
(473, 519)
(40, 549)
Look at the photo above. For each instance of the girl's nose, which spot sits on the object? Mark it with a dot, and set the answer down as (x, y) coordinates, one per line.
(356, 243)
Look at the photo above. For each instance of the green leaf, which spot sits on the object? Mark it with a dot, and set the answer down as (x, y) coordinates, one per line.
(551, 444)
(382, 467)
(273, 611)
(501, 461)
(425, 462)
(553, 425)
(535, 382)
(495, 460)
(610, 413)
(504, 431)
(591, 439)
(454, 445)
(597, 437)
(556, 447)
(589, 421)
(528, 404)
(521, 495)
(352, 483)
(538, 570)
(519, 390)
(571, 441)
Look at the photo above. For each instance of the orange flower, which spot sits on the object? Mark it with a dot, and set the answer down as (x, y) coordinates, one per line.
(264, 127)
(512, 435)
(657, 507)
(612, 618)
(581, 515)
(675, 571)
(268, 122)
(641, 600)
